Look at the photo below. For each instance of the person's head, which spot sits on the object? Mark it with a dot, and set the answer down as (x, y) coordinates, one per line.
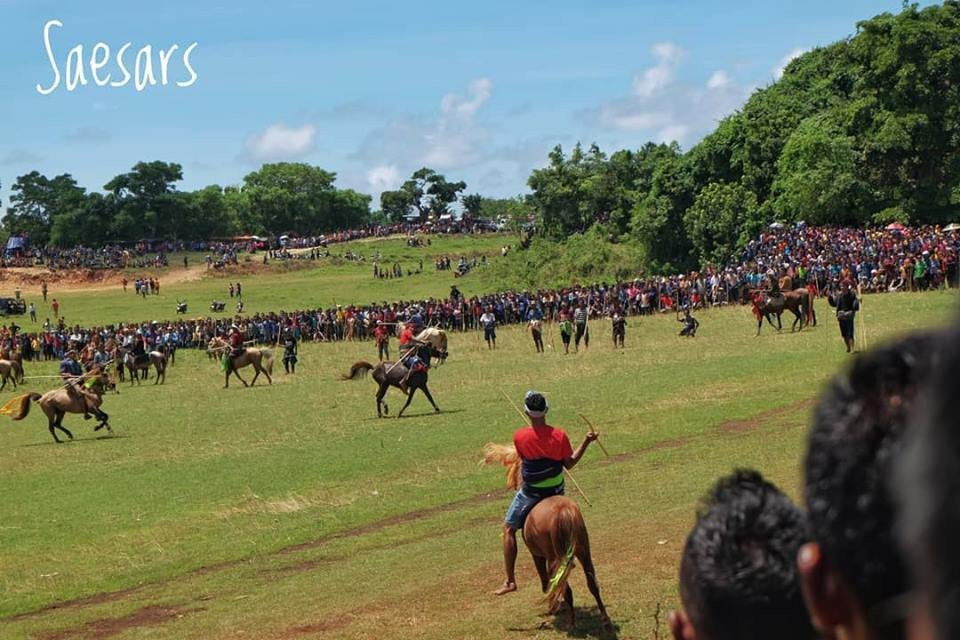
(535, 406)
(928, 488)
(738, 575)
(853, 574)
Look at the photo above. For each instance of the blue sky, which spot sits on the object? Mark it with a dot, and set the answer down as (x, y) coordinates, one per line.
(374, 90)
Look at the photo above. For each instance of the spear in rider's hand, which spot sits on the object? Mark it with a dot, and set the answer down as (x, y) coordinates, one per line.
(594, 430)
(523, 416)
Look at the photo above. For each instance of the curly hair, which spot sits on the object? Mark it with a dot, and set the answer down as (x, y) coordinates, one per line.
(928, 488)
(738, 576)
(856, 437)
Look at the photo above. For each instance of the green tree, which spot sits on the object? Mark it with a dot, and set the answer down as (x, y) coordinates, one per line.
(722, 220)
(36, 200)
(472, 205)
(147, 203)
(818, 178)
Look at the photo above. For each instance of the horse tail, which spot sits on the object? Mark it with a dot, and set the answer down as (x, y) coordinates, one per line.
(23, 406)
(267, 360)
(357, 369)
(569, 528)
(809, 308)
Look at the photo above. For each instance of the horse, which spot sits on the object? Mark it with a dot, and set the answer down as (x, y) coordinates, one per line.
(555, 534)
(799, 302)
(10, 370)
(57, 403)
(389, 375)
(136, 364)
(261, 359)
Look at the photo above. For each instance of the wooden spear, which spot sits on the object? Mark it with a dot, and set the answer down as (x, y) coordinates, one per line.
(567, 471)
(594, 430)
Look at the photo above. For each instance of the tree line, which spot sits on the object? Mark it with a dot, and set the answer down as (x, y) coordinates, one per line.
(144, 203)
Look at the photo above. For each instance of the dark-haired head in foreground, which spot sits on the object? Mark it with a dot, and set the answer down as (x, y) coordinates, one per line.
(853, 573)
(738, 576)
(928, 482)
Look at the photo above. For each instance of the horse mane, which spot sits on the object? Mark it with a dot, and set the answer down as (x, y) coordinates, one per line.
(505, 454)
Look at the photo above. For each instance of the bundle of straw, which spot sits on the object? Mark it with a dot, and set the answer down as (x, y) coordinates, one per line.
(505, 454)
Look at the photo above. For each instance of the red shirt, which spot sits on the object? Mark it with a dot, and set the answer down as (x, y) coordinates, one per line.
(535, 443)
(236, 340)
(406, 336)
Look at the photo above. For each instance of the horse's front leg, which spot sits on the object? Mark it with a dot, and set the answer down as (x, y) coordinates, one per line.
(239, 377)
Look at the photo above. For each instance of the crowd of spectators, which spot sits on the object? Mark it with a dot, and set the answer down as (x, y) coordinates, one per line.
(905, 260)
(154, 253)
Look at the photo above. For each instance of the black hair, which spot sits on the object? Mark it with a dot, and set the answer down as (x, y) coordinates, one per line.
(857, 434)
(535, 402)
(928, 488)
(738, 575)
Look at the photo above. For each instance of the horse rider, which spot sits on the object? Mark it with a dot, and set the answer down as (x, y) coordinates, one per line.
(235, 340)
(408, 341)
(72, 374)
(544, 451)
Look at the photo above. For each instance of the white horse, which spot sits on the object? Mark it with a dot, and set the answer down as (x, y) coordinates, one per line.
(436, 338)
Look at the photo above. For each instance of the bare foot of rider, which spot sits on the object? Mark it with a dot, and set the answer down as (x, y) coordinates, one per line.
(507, 587)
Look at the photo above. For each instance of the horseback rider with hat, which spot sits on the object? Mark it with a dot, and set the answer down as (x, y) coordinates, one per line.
(235, 339)
(544, 451)
(72, 374)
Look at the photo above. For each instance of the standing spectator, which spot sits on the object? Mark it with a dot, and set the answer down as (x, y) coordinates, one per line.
(43, 289)
(239, 294)
(382, 336)
(847, 306)
(619, 329)
(56, 308)
(33, 312)
(580, 320)
(489, 323)
(231, 289)
(289, 351)
(566, 331)
(535, 322)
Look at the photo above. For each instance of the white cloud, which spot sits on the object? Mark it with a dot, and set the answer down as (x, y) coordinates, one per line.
(654, 79)
(279, 142)
(785, 60)
(479, 91)
(718, 80)
(383, 178)
(665, 109)
(449, 140)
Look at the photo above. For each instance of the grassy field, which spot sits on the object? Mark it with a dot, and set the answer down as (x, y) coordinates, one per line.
(291, 511)
(294, 285)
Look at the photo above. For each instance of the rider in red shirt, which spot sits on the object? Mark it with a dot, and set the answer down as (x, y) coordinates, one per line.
(544, 451)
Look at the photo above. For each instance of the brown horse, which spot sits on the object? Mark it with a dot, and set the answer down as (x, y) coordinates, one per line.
(799, 302)
(260, 359)
(555, 534)
(10, 370)
(389, 375)
(57, 403)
